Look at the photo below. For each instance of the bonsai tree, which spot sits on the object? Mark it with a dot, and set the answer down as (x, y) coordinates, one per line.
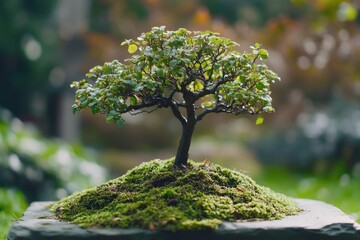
(191, 73)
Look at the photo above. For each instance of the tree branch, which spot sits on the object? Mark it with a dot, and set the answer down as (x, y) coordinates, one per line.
(207, 91)
(143, 105)
(143, 111)
(177, 113)
(216, 108)
(229, 108)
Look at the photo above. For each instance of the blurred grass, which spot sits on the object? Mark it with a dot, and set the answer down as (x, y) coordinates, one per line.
(12, 205)
(340, 190)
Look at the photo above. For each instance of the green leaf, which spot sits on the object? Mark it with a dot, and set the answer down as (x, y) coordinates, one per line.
(74, 84)
(120, 122)
(138, 75)
(178, 85)
(263, 53)
(208, 104)
(74, 108)
(216, 67)
(269, 109)
(109, 118)
(138, 88)
(195, 86)
(174, 62)
(84, 102)
(132, 48)
(160, 72)
(260, 86)
(125, 42)
(198, 85)
(259, 120)
(133, 101)
(91, 104)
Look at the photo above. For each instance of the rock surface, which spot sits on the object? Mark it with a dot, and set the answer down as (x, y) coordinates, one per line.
(318, 221)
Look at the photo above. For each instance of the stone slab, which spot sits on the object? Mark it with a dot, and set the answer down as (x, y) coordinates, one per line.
(318, 221)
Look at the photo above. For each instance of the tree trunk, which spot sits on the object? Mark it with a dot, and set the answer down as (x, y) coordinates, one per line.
(182, 154)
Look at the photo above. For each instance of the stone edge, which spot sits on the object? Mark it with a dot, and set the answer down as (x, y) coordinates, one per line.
(318, 221)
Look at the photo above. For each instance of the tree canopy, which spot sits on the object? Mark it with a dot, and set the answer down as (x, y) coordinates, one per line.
(193, 73)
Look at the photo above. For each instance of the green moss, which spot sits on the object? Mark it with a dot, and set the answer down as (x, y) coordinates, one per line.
(155, 195)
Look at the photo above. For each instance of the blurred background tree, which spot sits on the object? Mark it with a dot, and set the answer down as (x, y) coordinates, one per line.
(28, 51)
(314, 45)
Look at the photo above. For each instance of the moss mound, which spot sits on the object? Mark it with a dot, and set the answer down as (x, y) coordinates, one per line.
(155, 195)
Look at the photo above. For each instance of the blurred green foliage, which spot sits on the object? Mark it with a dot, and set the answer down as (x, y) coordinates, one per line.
(28, 51)
(254, 12)
(319, 140)
(43, 169)
(12, 205)
(335, 187)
